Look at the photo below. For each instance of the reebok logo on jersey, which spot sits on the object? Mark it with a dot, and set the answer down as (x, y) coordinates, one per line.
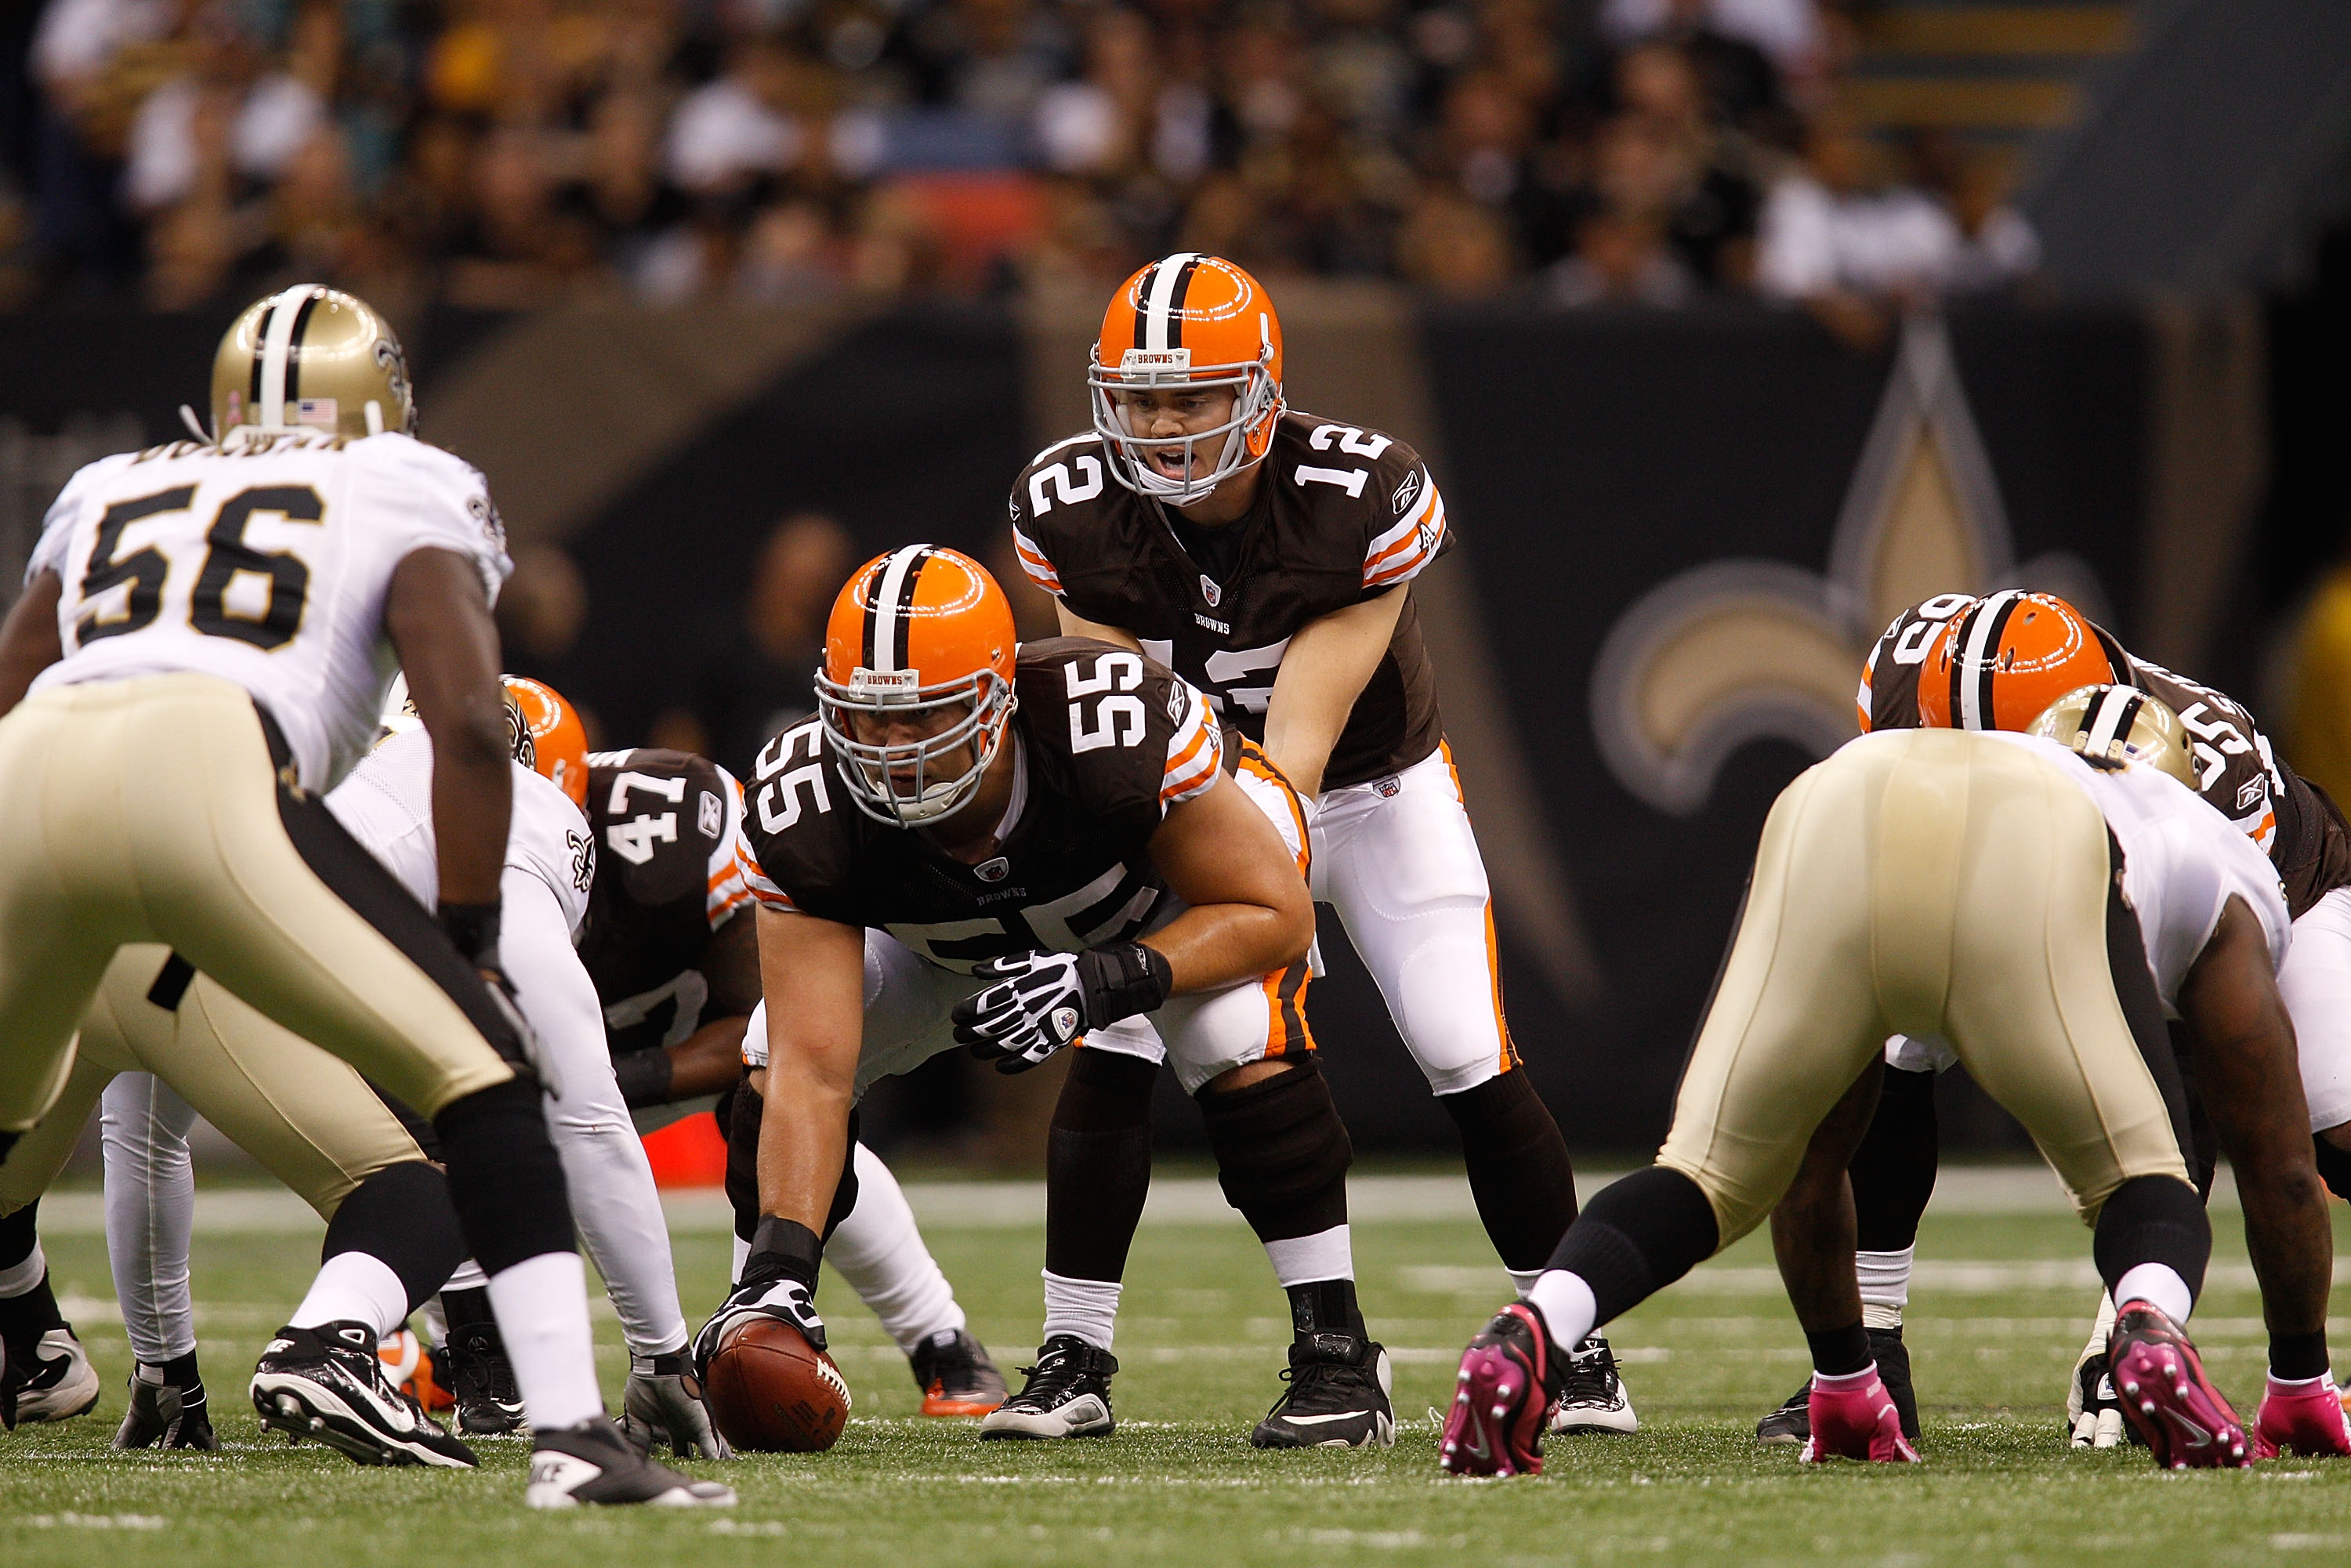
(2249, 794)
(1406, 492)
(708, 813)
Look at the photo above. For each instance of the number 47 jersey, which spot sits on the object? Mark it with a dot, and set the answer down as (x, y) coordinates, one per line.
(1104, 742)
(264, 563)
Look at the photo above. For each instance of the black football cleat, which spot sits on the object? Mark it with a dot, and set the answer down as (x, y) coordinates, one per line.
(1337, 1397)
(162, 1415)
(957, 1375)
(489, 1404)
(1791, 1423)
(593, 1463)
(1067, 1394)
(327, 1383)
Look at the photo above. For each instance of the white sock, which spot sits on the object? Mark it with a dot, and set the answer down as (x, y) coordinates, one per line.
(1566, 1304)
(1844, 1382)
(1304, 1260)
(19, 1279)
(735, 1270)
(436, 1324)
(879, 1251)
(542, 1310)
(469, 1276)
(1086, 1307)
(354, 1287)
(2302, 1384)
(1523, 1280)
(1885, 1280)
(2159, 1286)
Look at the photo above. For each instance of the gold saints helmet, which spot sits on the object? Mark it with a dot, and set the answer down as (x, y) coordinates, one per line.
(2113, 726)
(316, 357)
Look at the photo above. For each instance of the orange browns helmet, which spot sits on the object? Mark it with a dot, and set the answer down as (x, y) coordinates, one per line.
(2001, 662)
(921, 634)
(546, 735)
(1189, 320)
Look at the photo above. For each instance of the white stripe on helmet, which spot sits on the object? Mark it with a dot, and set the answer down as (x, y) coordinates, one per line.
(885, 605)
(1983, 623)
(1162, 293)
(276, 349)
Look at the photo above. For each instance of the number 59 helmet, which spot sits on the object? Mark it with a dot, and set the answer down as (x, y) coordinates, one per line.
(920, 646)
(1195, 321)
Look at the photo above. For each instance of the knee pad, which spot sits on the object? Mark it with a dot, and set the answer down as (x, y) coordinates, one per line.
(2153, 1220)
(1281, 1152)
(844, 1191)
(1636, 1237)
(743, 1160)
(403, 1216)
(504, 1178)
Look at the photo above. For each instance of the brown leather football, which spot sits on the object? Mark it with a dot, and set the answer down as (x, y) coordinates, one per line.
(774, 1393)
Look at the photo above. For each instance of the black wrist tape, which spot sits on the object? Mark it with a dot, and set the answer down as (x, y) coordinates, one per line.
(644, 1076)
(783, 1249)
(1123, 980)
(473, 927)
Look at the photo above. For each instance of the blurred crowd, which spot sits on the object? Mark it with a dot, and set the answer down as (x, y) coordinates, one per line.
(503, 153)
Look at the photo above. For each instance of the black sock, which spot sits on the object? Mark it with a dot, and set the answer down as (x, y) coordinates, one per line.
(1520, 1174)
(2153, 1220)
(1894, 1169)
(2297, 1356)
(1636, 1237)
(1326, 1306)
(1098, 1164)
(23, 1319)
(504, 1178)
(1839, 1352)
(19, 1233)
(467, 1309)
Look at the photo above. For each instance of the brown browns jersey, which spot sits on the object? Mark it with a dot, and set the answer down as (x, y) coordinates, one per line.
(668, 828)
(1104, 742)
(1342, 514)
(2237, 771)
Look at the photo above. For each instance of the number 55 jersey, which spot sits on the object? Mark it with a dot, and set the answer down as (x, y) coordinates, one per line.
(263, 562)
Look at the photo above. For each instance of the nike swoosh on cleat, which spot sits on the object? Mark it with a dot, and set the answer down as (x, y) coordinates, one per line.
(1324, 1420)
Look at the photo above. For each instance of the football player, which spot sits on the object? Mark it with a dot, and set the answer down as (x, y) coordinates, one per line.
(1014, 849)
(2037, 901)
(669, 942)
(1267, 557)
(200, 653)
(1957, 662)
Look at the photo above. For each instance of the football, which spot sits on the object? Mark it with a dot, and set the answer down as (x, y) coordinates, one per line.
(772, 1392)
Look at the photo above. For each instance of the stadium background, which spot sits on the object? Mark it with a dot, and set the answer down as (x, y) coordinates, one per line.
(1693, 464)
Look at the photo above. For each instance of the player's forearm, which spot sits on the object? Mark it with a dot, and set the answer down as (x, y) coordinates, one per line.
(1325, 671)
(709, 1061)
(1299, 736)
(1076, 626)
(1222, 944)
(803, 1143)
(439, 624)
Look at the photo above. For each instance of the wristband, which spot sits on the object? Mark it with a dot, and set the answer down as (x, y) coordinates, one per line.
(473, 927)
(782, 1249)
(1123, 980)
(645, 1077)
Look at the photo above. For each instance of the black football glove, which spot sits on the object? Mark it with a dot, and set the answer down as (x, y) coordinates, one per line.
(1042, 1001)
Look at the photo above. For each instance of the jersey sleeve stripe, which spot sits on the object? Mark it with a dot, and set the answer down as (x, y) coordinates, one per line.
(1194, 755)
(1407, 556)
(1033, 561)
(755, 882)
(1405, 529)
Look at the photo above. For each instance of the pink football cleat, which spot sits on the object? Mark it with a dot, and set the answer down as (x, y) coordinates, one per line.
(2165, 1396)
(1503, 1399)
(2300, 1418)
(1854, 1418)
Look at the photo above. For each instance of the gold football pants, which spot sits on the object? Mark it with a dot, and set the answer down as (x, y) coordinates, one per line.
(151, 811)
(310, 1120)
(1928, 882)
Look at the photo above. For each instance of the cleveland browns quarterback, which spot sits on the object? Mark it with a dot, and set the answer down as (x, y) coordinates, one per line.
(1958, 661)
(671, 945)
(1015, 850)
(1267, 555)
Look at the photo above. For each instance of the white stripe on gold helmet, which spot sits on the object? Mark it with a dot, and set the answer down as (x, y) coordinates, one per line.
(2113, 727)
(315, 358)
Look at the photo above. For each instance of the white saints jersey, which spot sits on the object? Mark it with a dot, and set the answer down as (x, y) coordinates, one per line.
(387, 804)
(264, 563)
(2182, 862)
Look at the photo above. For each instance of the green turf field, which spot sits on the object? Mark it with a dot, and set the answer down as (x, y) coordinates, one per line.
(1994, 1327)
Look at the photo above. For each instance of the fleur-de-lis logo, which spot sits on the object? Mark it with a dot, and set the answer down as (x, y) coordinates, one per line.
(1740, 650)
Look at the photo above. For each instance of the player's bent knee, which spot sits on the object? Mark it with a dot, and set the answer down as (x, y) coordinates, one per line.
(2153, 1220)
(503, 1177)
(1282, 1150)
(403, 1215)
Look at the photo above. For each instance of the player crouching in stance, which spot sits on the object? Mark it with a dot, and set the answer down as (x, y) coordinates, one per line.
(2035, 906)
(1054, 850)
(196, 659)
